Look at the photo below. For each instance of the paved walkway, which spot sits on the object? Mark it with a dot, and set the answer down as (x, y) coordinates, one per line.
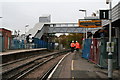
(76, 68)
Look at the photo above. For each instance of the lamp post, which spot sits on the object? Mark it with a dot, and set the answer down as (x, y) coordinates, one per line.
(85, 17)
(0, 21)
(18, 32)
(25, 36)
(26, 27)
(110, 61)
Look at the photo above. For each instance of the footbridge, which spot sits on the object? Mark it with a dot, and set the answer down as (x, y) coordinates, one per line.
(41, 28)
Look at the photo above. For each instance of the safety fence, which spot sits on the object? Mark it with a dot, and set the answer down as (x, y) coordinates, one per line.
(43, 44)
(21, 44)
(95, 50)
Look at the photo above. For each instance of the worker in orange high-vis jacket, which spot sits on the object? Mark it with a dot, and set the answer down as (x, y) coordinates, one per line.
(77, 46)
(72, 45)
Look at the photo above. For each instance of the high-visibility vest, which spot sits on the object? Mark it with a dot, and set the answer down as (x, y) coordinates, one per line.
(72, 45)
(77, 45)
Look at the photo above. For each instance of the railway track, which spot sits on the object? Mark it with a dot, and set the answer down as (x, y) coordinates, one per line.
(51, 70)
(18, 63)
(22, 59)
(19, 71)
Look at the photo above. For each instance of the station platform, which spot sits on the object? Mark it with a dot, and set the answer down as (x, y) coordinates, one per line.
(73, 67)
(8, 52)
(11, 55)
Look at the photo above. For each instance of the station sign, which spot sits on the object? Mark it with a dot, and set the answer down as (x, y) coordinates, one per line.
(90, 23)
(104, 14)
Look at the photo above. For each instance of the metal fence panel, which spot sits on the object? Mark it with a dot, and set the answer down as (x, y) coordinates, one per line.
(104, 55)
(94, 51)
(1, 43)
(86, 48)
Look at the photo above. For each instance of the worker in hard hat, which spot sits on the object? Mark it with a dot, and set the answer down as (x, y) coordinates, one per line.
(77, 46)
(72, 45)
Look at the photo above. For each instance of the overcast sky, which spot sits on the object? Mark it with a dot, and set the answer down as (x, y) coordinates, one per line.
(17, 13)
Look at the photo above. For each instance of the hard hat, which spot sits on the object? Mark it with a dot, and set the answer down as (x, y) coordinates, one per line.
(72, 41)
(76, 41)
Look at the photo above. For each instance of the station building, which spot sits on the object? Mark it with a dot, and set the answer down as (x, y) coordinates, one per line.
(5, 39)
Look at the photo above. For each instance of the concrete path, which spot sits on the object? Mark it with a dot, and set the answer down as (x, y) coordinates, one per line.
(73, 67)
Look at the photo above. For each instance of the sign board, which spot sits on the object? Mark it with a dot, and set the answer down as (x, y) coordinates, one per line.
(110, 46)
(89, 23)
(104, 14)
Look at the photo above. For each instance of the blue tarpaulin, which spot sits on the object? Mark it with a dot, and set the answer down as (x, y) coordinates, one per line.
(86, 48)
(17, 44)
(40, 43)
(43, 44)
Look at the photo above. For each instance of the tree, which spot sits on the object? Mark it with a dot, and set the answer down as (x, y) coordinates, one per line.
(66, 39)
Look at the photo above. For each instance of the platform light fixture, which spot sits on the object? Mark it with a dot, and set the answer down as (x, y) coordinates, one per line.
(85, 18)
(108, 1)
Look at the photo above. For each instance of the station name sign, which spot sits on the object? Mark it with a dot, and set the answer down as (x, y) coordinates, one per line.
(89, 23)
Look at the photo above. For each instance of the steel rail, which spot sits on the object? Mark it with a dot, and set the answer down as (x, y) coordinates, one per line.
(21, 65)
(31, 69)
(12, 62)
(47, 74)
